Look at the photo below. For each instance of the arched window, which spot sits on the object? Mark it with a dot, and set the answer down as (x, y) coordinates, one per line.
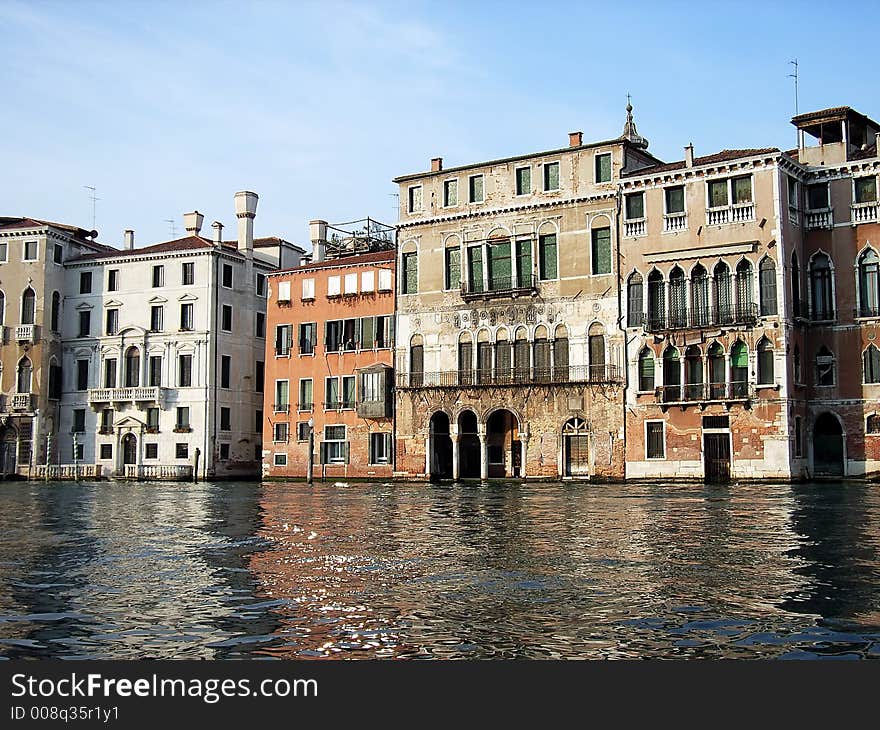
(503, 358)
(560, 354)
(765, 362)
(28, 307)
(722, 301)
(693, 373)
(2, 308)
(671, 375)
(521, 356)
(541, 353)
(25, 375)
(596, 340)
(416, 361)
(767, 284)
(132, 367)
(739, 370)
(465, 359)
(717, 372)
(869, 299)
(744, 286)
(699, 296)
(56, 311)
(821, 290)
(677, 298)
(646, 370)
(484, 357)
(798, 365)
(635, 313)
(871, 363)
(797, 306)
(656, 301)
(872, 424)
(824, 366)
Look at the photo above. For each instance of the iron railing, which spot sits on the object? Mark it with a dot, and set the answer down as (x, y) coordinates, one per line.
(500, 286)
(599, 374)
(740, 314)
(338, 405)
(697, 392)
(866, 311)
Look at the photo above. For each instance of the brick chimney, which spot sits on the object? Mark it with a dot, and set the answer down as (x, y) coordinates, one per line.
(129, 239)
(436, 164)
(689, 155)
(318, 237)
(246, 211)
(575, 139)
(192, 222)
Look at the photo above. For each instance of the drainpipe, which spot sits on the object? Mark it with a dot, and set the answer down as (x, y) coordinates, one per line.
(621, 314)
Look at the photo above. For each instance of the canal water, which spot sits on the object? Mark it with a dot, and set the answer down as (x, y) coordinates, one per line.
(355, 571)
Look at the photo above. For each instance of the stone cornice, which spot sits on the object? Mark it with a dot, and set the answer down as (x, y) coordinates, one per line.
(686, 174)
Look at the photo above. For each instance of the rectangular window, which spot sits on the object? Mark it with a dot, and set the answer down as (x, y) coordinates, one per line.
(182, 423)
(334, 286)
(523, 180)
(603, 168)
(181, 451)
(113, 280)
(331, 393)
(371, 387)
(283, 292)
(415, 199)
(226, 318)
(410, 277)
(308, 337)
(158, 276)
(333, 335)
(793, 194)
(226, 419)
(31, 251)
(283, 337)
(112, 321)
(85, 323)
(79, 420)
(107, 420)
(259, 376)
(79, 452)
(308, 290)
(110, 372)
(551, 176)
(59, 253)
(351, 284)
(184, 371)
(380, 448)
(475, 269)
(4, 251)
(186, 317)
(260, 285)
(106, 451)
(524, 262)
(224, 452)
(348, 398)
(155, 374)
(742, 189)
(475, 189)
(302, 431)
(82, 374)
(227, 276)
(282, 396)
(153, 420)
(865, 189)
(306, 402)
(260, 326)
(225, 371)
(152, 451)
(157, 313)
(453, 267)
(368, 281)
(499, 265)
(635, 206)
(674, 198)
(85, 282)
(798, 442)
(601, 248)
(817, 196)
(385, 280)
(188, 272)
(280, 459)
(655, 444)
(334, 450)
(547, 256)
(450, 193)
(717, 193)
(279, 433)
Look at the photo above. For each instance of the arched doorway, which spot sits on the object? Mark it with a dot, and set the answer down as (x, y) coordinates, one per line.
(8, 441)
(129, 449)
(503, 445)
(575, 451)
(441, 447)
(828, 446)
(468, 446)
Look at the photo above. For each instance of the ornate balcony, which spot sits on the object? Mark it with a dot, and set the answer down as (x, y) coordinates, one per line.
(675, 222)
(693, 393)
(124, 395)
(864, 212)
(737, 213)
(637, 227)
(598, 374)
(818, 219)
(160, 472)
(26, 333)
(743, 315)
(508, 286)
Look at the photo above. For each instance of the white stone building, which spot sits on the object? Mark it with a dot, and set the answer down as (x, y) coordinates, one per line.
(163, 353)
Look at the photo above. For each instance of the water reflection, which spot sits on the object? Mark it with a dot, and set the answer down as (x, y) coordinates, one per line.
(416, 571)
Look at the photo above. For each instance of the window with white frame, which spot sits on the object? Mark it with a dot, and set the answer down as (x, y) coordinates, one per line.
(334, 449)
(334, 286)
(302, 431)
(380, 448)
(415, 199)
(308, 290)
(31, 250)
(655, 441)
(385, 280)
(368, 281)
(603, 167)
(227, 276)
(260, 285)
(282, 395)
(475, 189)
(523, 177)
(279, 433)
(279, 459)
(351, 283)
(450, 193)
(551, 176)
(306, 402)
(283, 291)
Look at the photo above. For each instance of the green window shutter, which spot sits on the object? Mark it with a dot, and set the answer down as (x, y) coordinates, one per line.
(603, 168)
(346, 451)
(601, 250)
(547, 256)
(635, 206)
(499, 265)
(453, 268)
(551, 176)
(523, 181)
(742, 190)
(410, 273)
(524, 262)
(675, 200)
(717, 193)
(368, 333)
(739, 356)
(475, 268)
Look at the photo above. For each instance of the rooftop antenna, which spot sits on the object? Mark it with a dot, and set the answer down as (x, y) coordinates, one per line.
(94, 198)
(796, 105)
(170, 222)
(397, 204)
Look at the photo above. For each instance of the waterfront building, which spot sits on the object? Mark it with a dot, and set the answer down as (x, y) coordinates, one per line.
(163, 352)
(510, 356)
(329, 357)
(32, 258)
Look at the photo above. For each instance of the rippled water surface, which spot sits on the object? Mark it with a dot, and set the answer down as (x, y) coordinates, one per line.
(363, 571)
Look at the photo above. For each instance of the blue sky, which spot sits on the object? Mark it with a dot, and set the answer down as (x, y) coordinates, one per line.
(317, 106)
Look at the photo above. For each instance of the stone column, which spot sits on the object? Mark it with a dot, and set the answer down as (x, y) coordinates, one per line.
(428, 455)
(484, 452)
(456, 462)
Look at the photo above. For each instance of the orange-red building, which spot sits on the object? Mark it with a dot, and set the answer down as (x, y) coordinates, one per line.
(329, 357)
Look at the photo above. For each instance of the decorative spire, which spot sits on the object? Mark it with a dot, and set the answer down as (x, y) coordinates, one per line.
(630, 133)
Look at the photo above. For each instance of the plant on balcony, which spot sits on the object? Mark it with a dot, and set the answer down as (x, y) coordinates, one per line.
(181, 429)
